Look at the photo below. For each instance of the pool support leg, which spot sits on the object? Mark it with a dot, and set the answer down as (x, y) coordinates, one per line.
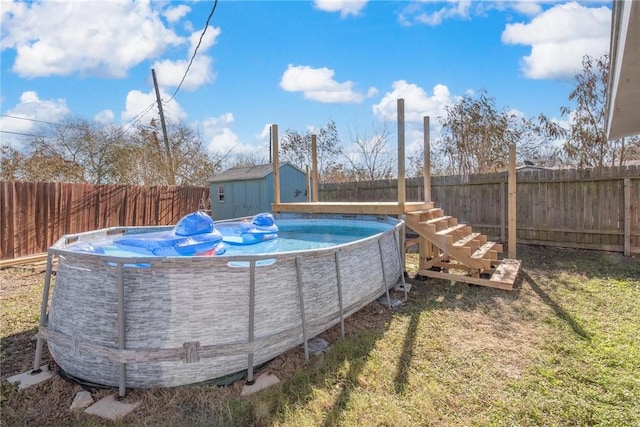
(252, 306)
(400, 260)
(384, 273)
(43, 314)
(122, 389)
(340, 304)
(302, 316)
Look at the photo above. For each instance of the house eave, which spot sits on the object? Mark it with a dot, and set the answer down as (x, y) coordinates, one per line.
(623, 91)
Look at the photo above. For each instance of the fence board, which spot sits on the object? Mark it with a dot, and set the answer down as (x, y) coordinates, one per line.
(34, 215)
(580, 208)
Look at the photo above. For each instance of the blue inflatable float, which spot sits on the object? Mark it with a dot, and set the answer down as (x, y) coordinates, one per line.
(261, 228)
(194, 234)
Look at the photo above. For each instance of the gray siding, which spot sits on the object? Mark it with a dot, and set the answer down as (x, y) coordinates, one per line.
(293, 185)
(251, 196)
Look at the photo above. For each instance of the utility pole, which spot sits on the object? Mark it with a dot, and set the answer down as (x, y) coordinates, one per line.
(171, 176)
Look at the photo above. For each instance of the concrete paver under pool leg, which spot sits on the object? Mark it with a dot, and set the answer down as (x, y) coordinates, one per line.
(110, 408)
(28, 379)
(262, 382)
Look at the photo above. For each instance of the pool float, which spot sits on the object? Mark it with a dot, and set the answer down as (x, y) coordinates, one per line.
(261, 228)
(194, 234)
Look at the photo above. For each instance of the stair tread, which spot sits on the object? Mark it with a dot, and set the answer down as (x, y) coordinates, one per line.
(483, 250)
(507, 271)
(450, 229)
(436, 220)
(466, 239)
(421, 211)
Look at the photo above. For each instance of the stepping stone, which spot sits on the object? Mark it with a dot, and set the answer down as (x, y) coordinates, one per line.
(27, 379)
(82, 400)
(318, 346)
(401, 288)
(395, 303)
(262, 382)
(110, 408)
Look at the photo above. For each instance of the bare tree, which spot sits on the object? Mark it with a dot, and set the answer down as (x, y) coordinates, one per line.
(82, 151)
(372, 159)
(190, 163)
(75, 150)
(246, 160)
(476, 135)
(296, 148)
(11, 164)
(587, 144)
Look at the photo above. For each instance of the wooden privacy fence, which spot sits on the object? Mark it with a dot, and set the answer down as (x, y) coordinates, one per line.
(33, 215)
(580, 208)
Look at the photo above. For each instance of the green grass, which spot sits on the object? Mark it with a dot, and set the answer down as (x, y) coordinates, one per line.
(561, 350)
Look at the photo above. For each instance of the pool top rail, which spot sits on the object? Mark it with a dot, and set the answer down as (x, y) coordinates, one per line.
(372, 208)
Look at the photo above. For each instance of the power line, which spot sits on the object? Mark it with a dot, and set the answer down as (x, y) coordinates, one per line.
(206, 25)
(120, 130)
(138, 116)
(23, 134)
(30, 120)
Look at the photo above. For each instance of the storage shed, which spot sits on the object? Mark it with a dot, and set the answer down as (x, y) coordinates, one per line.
(240, 192)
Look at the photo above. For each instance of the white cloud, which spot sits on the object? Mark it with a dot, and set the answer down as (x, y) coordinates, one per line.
(174, 14)
(527, 7)
(435, 12)
(417, 102)
(30, 108)
(319, 85)
(224, 141)
(265, 133)
(220, 138)
(170, 72)
(62, 38)
(559, 38)
(417, 13)
(104, 116)
(345, 7)
(142, 108)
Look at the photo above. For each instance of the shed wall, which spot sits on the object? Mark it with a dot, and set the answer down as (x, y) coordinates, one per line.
(293, 186)
(249, 197)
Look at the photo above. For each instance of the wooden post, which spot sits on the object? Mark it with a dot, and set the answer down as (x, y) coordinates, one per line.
(276, 165)
(427, 160)
(512, 202)
(627, 217)
(424, 246)
(308, 182)
(503, 211)
(314, 165)
(402, 197)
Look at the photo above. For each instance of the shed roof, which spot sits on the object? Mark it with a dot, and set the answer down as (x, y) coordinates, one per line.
(245, 173)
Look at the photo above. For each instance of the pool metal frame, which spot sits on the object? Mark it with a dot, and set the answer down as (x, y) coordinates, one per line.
(193, 351)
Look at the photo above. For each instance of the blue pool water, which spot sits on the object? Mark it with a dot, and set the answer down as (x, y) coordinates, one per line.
(294, 235)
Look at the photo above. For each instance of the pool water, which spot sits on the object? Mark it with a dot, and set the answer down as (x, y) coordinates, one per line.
(294, 235)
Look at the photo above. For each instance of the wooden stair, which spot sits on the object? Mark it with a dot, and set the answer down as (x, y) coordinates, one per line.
(447, 245)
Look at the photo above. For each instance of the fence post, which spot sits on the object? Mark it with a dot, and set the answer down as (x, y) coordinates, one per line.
(512, 202)
(503, 210)
(314, 165)
(427, 160)
(276, 166)
(627, 217)
(402, 196)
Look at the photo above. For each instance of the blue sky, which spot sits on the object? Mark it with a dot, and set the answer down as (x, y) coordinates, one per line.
(295, 63)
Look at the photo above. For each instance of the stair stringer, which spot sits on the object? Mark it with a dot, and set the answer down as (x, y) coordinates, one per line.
(445, 242)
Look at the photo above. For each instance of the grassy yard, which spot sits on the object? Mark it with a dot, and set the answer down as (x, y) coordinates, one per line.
(563, 349)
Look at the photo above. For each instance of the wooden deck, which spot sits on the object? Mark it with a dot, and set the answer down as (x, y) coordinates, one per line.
(361, 208)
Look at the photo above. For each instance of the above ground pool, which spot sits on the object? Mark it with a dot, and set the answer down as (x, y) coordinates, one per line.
(123, 318)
